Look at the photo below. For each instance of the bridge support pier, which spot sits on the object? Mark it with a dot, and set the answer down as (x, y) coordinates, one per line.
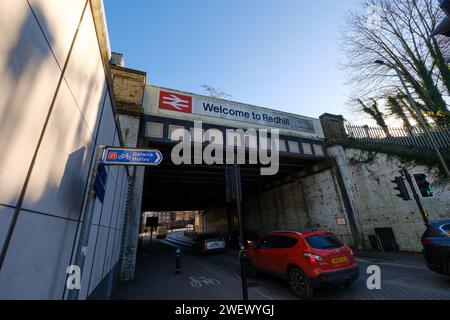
(129, 87)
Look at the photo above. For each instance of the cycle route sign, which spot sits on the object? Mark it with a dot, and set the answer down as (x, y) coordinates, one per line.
(131, 157)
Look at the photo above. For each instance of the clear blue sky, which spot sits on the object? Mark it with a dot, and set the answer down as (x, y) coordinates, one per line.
(280, 54)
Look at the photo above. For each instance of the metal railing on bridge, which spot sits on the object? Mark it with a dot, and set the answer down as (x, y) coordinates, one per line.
(412, 136)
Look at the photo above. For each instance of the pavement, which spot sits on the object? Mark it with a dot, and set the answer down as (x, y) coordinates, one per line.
(404, 276)
(155, 277)
(412, 258)
(178, 237)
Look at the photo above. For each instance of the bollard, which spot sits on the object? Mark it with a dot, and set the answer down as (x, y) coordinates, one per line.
(243, 259)
(178, 261)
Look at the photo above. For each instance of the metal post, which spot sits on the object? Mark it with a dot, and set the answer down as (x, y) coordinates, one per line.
(422, 122)
(151, 237)
(178, 261)
(87, 222)
(423, 212)
(243, 255)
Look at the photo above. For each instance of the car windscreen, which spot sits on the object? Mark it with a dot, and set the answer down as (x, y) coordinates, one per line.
(446, 228)
(324, 242)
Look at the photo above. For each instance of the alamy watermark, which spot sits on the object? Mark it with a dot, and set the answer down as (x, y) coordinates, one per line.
(74, 277)
(374, 280)
(235, 146)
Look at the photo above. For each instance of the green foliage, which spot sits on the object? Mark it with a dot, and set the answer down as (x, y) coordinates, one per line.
(374, 111)
(418, 155)
(395, 109)
(370, 158)
(441, 118)
(404, 101)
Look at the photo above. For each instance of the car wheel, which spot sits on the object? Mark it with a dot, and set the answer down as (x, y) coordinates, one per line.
(349, 283)
(299, 283)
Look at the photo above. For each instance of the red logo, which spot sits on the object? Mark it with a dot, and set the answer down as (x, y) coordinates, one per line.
(175, 101)
(112, 155)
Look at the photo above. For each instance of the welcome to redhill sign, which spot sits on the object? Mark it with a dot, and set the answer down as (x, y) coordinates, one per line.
(207, 106)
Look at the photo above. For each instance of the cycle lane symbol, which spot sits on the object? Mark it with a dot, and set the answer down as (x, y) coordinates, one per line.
(198, 282)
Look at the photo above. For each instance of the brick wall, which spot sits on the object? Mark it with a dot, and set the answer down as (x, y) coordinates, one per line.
(129, 89)
(312, 202)
(317, 201)
(132, 221)
(130, 132)
(377, 205)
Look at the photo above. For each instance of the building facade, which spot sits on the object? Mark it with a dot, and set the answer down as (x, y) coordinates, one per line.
(57, 107)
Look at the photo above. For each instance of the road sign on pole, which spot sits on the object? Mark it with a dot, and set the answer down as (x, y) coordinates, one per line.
(136, 157)
(107, 156)
(97, 174)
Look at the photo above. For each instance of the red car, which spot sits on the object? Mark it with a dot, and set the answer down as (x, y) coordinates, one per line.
(307, 259)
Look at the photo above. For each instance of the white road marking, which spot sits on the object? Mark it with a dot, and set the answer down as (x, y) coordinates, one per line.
(197, 282)
(234, 277)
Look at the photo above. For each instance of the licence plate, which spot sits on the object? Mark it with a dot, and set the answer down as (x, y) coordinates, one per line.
(339, 260)
(215, 245)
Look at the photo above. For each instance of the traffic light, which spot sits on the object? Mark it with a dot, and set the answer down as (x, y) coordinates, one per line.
(444, 27)
(424, 185)
(404, 194)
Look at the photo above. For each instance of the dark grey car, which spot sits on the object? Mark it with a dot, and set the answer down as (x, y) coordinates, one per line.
(208, 243)
(436, 246)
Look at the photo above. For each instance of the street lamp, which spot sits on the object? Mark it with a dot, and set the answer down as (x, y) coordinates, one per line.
(419, 115)
(443, 27)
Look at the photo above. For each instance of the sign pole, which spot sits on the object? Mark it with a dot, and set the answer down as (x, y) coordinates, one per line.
(243, 255)
(87, 222)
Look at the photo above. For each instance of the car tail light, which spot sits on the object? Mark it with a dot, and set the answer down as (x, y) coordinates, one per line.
(425, 241)
(313, 258)
(205, 245)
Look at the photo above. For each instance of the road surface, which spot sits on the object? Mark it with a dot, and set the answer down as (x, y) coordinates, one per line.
(218, 277)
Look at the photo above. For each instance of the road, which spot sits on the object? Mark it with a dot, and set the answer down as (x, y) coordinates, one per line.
(218, 277)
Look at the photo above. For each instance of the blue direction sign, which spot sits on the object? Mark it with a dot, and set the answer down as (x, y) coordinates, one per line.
(100, 182)
(130, 157)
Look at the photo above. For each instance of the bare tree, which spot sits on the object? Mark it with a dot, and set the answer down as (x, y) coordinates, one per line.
(215, 92)
(400, 39)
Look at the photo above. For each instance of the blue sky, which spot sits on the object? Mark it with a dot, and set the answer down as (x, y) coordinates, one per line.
(280, 54)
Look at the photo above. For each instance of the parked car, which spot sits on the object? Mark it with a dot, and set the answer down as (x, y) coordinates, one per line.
(161, 232)
(207, 243)
(436, 246)
(233, 240)
(306, 259)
